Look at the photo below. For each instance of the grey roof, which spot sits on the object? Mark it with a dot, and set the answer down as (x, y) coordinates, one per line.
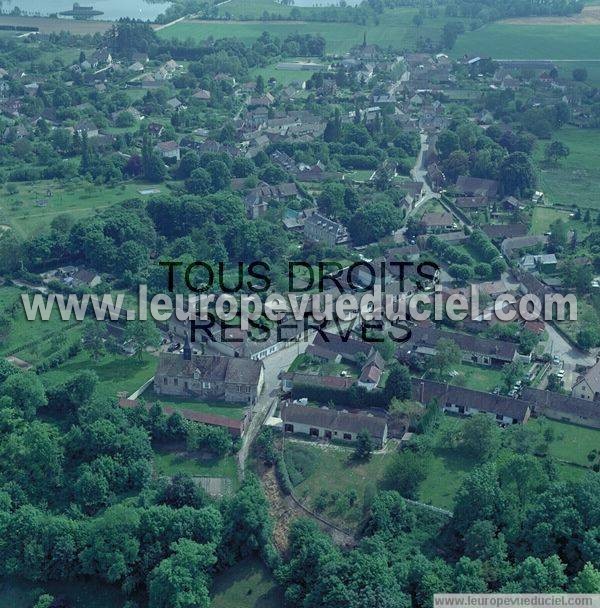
(336, 343)
(476, 186)
(426, 391)
(592, 377)
(234, 370)
(429, 336)
(505, 231)
(334, 420)
(548, 400)
(471, 202)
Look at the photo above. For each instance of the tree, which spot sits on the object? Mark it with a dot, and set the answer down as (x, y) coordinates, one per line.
(447, 356)
(181, 580)
(511, 373)
(517, 175)
(398, 385)
(558, 234)
(94, 335)
(406, 471)
(587, 338)
(580, 74)
(587, 580)
(481, 436)
(554, 383)
(374, 221)
(554, 151)
(142, 335)
(26, 393)
(199, 182)
(219, 174)
(259, 87)
(364, 445)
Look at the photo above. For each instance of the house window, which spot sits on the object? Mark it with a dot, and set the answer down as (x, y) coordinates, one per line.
(289, 428)
(348, 436)
(165, 380)
(314, 432)
(175, 381)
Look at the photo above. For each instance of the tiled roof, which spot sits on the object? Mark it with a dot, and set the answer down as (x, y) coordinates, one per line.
(334, 420)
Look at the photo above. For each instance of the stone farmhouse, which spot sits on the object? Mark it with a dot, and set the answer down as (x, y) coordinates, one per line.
(235, 380)
(467, 402)
(326, 423)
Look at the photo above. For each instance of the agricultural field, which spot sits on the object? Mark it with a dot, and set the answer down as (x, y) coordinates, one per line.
(22, 210)
(576, 180)
(283, 77)
(511, 41)
(395, 29)
(248, 584)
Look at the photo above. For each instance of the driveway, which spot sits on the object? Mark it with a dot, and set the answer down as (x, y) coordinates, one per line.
(559, 346)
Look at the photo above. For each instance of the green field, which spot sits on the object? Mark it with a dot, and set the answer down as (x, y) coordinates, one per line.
(577, 178)
(29, 340)
(170, 463)
(219, 408)
(509, 41)
(116, 373)
(24, 594)
(74, 198)
(283, 77)
(336, 473)
(248, 584)
(572, 443)
(395, 29)
(478, 377)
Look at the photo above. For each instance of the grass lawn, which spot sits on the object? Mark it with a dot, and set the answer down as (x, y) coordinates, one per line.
(447, 471)
(543, 217)
(116, 372)
(283, 77)
(248, 584)
(511, 41)
(336, 473)
(219, 408)
(478, 378)
(395, 28)
(571, 442)
(75, 198)
(577, 178)
(89, 594)
(167, 462)
(29, 340)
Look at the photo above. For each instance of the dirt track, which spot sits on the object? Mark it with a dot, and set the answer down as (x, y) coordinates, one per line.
(590, 15)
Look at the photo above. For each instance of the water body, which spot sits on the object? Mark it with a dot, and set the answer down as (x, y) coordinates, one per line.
(112, 9)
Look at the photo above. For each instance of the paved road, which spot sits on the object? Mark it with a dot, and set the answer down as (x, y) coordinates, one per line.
(274, 364)
(559, 346)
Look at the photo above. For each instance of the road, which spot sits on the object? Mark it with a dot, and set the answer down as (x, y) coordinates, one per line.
(559, 346)
(274, 364)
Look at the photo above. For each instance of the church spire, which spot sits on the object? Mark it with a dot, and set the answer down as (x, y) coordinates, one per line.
(187, 348)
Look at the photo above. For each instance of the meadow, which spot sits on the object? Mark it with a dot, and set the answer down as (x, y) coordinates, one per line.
(510, 41)
(218, 408)
(395, 29)
(576, 179)
(247, 584)
(25, 217)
